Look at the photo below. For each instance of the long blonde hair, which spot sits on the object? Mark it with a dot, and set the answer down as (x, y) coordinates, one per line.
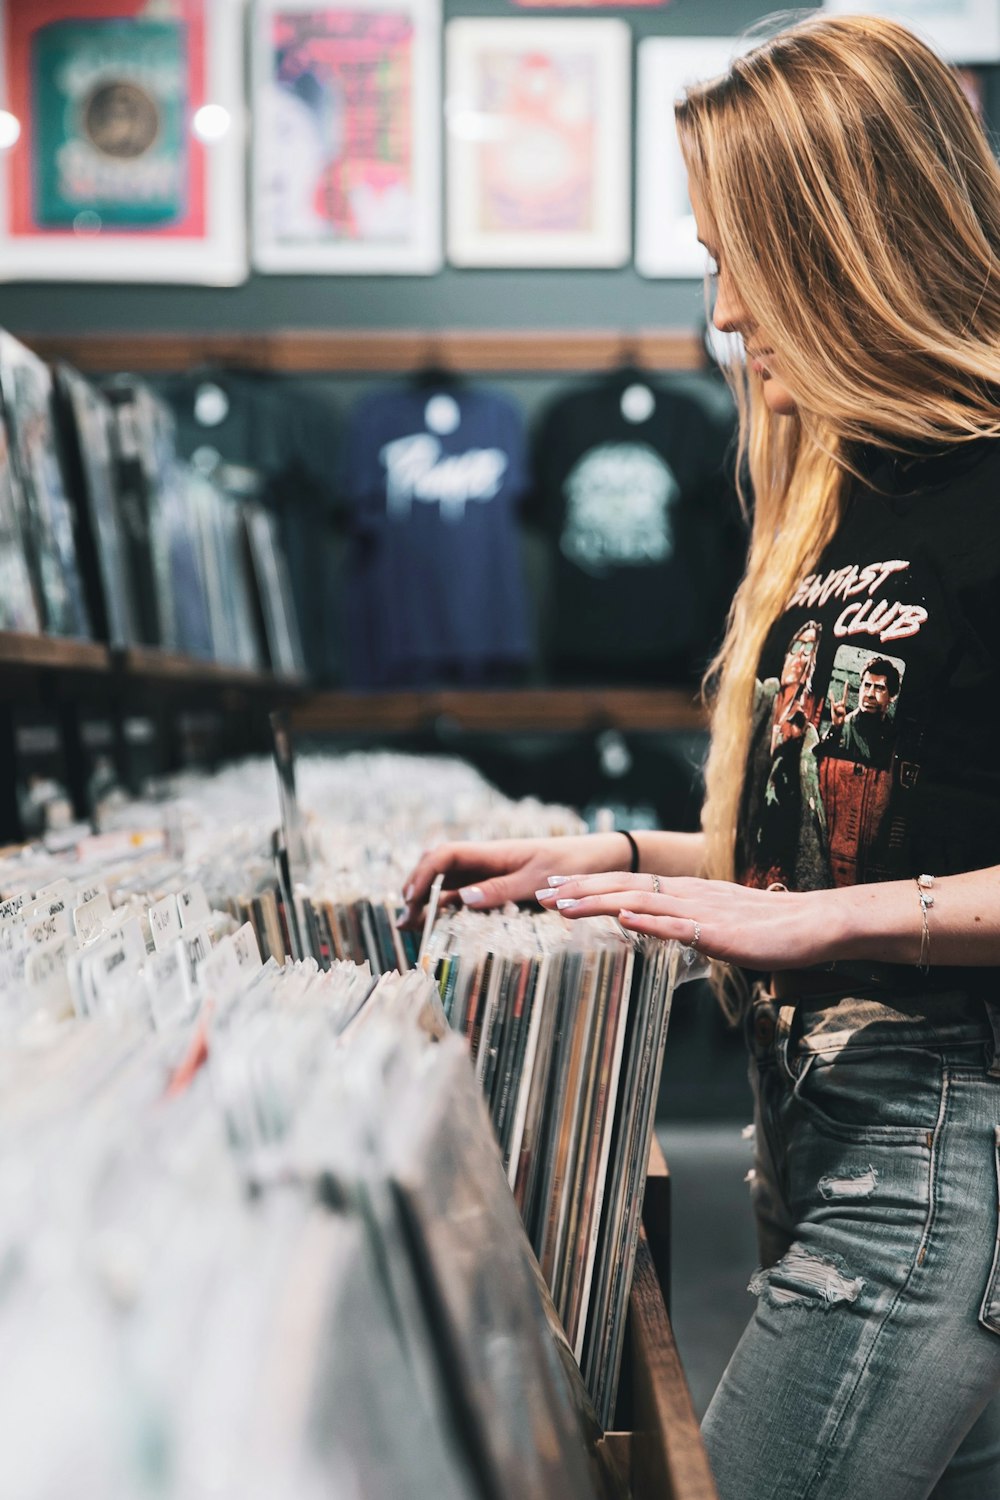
(856, 203)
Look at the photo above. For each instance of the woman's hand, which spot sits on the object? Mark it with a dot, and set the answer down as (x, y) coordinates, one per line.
(764, 930)
(490, 872)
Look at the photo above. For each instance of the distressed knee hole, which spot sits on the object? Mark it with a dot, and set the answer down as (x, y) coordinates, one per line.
(860, 1184)
(800, 1277)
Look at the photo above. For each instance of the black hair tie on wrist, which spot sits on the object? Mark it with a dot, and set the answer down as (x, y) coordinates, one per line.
(634, 865)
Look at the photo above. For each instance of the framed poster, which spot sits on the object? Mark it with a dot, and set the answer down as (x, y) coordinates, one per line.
(347, 138)
(961, 31)
(128, 158)
(539, 137)
(666, 240)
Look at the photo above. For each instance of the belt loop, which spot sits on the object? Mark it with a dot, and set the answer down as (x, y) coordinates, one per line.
(785, 1035)
(993, 1016)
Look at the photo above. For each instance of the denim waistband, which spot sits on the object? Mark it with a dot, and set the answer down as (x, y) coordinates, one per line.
(941, 1021)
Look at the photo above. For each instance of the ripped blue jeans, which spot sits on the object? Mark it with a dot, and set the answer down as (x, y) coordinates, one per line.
(871, 1365)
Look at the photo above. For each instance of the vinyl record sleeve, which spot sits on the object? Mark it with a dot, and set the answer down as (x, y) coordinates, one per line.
(27, 393)
(87, 426)
(274, 592)
(18, 604)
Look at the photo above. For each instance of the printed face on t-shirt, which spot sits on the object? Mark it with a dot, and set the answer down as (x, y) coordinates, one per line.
(798, 658)
(874, 696)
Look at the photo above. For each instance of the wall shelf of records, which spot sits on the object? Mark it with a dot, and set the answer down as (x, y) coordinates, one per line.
(134, 586)
(374, 1198)
(376, 350)
(108, 539)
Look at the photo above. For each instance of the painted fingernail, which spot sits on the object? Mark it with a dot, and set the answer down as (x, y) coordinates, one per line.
(472, 895)
(566, 903)
(408, 894)
(626, 916)
(560, 879)
(545, 895)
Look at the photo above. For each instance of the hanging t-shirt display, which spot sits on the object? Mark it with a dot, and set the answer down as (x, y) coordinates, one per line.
(647, 544)
(433, 479)
(876, 715)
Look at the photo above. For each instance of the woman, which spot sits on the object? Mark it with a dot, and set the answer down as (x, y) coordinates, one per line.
(852, 206)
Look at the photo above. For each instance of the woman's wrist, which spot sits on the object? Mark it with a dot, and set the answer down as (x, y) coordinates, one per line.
(877, 921)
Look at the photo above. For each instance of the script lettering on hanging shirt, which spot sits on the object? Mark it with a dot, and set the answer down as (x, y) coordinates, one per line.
(416, 470)
(863, 614)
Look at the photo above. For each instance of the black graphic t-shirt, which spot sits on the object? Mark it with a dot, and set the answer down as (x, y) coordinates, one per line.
(646, 544)
(875, 745)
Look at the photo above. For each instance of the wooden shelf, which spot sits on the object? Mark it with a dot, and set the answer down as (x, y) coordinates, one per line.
(662, 1455)
(47, 654)
(151, 662)
(52, 652)
(374, 351)
(539, 710)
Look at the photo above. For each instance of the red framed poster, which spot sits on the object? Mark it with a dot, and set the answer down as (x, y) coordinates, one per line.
(128, 159)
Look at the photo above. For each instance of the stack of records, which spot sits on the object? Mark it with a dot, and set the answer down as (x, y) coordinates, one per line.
(565, 1022)
(270, 1251)
(567, 1025)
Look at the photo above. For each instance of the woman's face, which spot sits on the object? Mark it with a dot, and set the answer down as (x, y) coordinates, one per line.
(732, 316)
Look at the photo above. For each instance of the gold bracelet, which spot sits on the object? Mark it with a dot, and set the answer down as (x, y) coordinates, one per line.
(924, 884)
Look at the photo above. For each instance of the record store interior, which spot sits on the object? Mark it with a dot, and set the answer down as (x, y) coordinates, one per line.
(368, 484)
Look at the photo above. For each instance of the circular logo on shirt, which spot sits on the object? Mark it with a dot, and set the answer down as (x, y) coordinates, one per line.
(619, 498)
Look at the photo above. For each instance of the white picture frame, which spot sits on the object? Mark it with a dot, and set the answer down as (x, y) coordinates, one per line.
(551, 186)
(666, 239)
(390, 209)
(208, 245)
(960, 31)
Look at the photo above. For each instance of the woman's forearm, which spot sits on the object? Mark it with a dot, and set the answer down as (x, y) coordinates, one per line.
(670, 853)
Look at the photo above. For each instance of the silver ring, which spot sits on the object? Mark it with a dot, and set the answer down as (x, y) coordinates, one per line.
(656, 884)
(697, 935)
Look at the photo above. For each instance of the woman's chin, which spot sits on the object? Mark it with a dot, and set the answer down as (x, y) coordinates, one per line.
(778, 397)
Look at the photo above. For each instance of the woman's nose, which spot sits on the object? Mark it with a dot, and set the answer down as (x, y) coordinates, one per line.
(729, 315)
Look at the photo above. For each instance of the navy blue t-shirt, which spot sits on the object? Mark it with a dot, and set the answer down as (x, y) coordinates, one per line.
(433, 479)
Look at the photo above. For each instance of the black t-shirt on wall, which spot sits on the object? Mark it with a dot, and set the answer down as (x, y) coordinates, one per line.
(635, 496)
(875, 746)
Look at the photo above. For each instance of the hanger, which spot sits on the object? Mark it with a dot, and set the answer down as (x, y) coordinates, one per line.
(434, 372)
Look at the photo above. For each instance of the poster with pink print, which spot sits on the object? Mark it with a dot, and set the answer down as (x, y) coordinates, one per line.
(538, 142)
(346, 137)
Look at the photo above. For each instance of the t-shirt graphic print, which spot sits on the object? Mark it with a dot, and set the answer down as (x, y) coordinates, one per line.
(876, 709)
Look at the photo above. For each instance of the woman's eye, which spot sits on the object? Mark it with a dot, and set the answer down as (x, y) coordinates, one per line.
(711, 266)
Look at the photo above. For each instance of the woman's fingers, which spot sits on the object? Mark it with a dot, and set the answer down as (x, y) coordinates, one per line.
(479, 875)
(584, 887)
(458, 863)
